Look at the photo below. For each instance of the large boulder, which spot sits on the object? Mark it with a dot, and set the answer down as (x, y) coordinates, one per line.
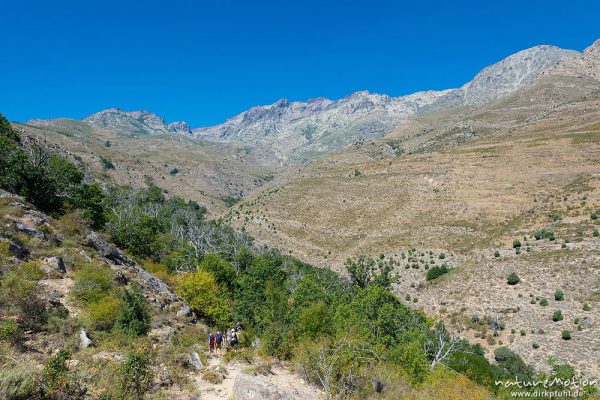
(249, 387)
(54, 267)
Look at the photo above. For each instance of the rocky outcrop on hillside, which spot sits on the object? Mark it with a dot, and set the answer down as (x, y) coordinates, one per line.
(136, 122)
(586, 64)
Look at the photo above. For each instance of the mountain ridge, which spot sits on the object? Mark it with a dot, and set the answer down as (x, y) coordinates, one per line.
(296, 131)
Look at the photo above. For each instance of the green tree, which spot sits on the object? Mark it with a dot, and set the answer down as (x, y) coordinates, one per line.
(205, 297)
(133, 316)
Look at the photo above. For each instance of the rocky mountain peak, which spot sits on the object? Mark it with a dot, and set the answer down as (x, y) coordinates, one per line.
(512, 73)
(136, 122)
(594, 49)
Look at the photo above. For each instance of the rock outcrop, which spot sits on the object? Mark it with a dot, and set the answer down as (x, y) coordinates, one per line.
(121, 263)
(249, 387)
(136, 122)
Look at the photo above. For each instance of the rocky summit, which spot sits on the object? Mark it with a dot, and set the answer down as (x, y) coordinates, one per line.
(136, 122)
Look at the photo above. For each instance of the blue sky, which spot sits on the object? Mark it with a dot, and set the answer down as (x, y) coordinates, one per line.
(206, 61)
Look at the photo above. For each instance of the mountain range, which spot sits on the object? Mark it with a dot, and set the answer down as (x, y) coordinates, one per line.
(293, 131)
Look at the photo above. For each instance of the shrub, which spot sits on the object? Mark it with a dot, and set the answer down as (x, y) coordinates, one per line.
(496, 254)
(59, 382)
(566, 334)
(535, 345)
(555, 217)
(559, 295)
(557, 316)
(212, 376)
(134, 376)
(106, 163)
(204, 296)
(92, 282)
(523, 333)
(595, 215)
(442, 256)
(445, 384)
(516, 244)
(513, 279)
(315, 320)
(586, 307)
(9, 331)
(21, 297)
(103, 314)
(511, 365)
(436, 272)
(133, 317)
(21, 382)
(413, 359)
(596, 233)
(543, 302)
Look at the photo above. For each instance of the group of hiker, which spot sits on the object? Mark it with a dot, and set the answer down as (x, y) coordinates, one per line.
(218, 340)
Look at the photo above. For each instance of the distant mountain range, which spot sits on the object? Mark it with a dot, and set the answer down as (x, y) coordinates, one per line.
(288, 131)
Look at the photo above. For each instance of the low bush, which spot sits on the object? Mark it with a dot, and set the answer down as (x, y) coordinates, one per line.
(559, 295)
(92, 282)
(102, 315)
(566, 334)
(21, 382)
(436, 272)
(513, 279)
(557, 316)
(10, 331)
(134, 376)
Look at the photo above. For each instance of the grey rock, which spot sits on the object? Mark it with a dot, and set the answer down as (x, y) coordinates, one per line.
(29, 230)
(194, 360)
(108, 356)
(116, 256)
(249, 387)
(84, 340)
(184, 311)
(54, 267)
(162, 377)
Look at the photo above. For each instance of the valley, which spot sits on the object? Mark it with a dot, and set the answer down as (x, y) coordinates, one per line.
(483, 202)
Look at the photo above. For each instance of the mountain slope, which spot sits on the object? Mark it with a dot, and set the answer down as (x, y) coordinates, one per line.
(295, 130)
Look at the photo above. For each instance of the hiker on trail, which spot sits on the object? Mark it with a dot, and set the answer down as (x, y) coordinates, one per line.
(233, 339)
(211, 342)
(219, 342)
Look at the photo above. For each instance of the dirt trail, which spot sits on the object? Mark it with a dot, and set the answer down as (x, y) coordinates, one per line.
(280, 377)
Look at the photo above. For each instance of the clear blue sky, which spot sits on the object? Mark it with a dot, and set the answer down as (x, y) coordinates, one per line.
(203, 61)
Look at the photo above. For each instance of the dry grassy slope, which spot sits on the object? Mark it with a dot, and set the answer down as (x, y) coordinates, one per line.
(458, 199)
(207, 172)
(525, 161)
